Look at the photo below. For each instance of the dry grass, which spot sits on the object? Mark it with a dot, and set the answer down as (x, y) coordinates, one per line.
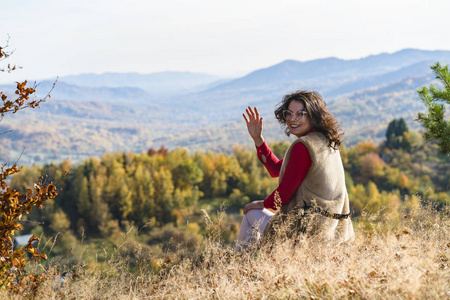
(404, 257)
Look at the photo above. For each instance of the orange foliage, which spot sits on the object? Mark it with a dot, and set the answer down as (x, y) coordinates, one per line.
(14, 204)
(23, 99)
(162, 150)
(372, 165)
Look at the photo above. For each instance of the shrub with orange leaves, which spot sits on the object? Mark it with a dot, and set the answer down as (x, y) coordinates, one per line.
(14, 204)
(372, 166)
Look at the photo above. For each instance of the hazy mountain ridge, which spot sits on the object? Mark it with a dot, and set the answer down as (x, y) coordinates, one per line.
(153, 83)
(69, 92)
(364, 94)
(417, 69)
(291, 70)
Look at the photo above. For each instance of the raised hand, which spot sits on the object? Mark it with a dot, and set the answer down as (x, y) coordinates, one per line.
(254, 125)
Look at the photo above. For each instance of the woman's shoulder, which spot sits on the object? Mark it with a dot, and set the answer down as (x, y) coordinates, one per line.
(314, 142)
(299, 148)
(314, 137)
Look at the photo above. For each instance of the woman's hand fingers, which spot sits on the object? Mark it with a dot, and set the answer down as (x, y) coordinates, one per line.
(245, 118)
(254, 123)
(256, 113)
(254, 205)
(250, 112)
(247, 207)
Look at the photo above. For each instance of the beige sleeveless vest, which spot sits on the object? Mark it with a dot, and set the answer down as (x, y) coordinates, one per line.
(324, 186)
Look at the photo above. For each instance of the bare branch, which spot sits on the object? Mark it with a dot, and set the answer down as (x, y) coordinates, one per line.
(5, 54)
(20, 156)
(43, 99)
(5, 131)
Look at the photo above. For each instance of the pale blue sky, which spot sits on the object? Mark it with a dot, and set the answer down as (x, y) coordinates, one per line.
(227, 38)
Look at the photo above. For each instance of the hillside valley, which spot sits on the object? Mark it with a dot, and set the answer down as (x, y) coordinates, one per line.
(91, 114)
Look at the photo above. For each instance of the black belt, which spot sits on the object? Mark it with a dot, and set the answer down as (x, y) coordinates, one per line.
(326, 213)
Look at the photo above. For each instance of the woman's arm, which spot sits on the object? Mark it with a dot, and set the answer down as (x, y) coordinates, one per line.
(255, 126)
(269, 160)
(296, 170)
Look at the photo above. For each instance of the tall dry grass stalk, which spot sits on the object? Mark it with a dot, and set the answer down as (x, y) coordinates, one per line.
(403, 257)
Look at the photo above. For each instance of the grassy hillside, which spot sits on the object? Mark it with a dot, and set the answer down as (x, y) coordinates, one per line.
(405, 256)
(152, 225)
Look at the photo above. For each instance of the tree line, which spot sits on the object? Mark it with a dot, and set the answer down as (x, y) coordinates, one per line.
(102, 197)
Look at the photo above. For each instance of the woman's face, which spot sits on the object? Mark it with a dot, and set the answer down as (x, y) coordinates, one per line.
(298, 123)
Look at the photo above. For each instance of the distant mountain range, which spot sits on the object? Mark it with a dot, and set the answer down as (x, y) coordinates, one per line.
(310, 71)
(161, 83)
(90, 114)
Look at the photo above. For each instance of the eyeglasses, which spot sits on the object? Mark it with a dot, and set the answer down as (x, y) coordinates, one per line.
(287, 114)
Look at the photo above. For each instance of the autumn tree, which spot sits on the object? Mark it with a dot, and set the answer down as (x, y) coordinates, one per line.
(372, 167)
(435, 99)
(14, 204)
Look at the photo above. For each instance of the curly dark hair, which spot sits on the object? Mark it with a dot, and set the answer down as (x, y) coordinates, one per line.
(319, 116)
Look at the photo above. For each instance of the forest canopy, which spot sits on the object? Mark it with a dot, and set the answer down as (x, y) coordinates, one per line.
(161, 189)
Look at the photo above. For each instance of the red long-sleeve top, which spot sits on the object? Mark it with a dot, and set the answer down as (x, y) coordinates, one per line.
(296, 170)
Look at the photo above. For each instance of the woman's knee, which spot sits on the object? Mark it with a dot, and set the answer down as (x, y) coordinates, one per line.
(254, 215)
(257, 217)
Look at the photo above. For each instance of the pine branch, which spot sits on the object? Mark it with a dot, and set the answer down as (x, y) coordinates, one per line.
(442, 74)
(434, 99)
(440, 95)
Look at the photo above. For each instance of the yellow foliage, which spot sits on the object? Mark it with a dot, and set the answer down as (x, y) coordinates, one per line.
(59, 222)
(365, 147)
(193, 227)
(403, 181)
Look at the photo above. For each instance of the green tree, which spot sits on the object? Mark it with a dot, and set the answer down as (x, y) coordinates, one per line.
(436, 125)
(279, 149)
(397, 135)
(60, 224)
(163, 196)
(142, 195)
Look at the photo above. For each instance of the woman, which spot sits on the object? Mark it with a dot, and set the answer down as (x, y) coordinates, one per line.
(311, 175)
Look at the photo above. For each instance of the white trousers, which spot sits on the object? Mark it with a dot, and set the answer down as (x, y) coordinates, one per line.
(253, 224)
